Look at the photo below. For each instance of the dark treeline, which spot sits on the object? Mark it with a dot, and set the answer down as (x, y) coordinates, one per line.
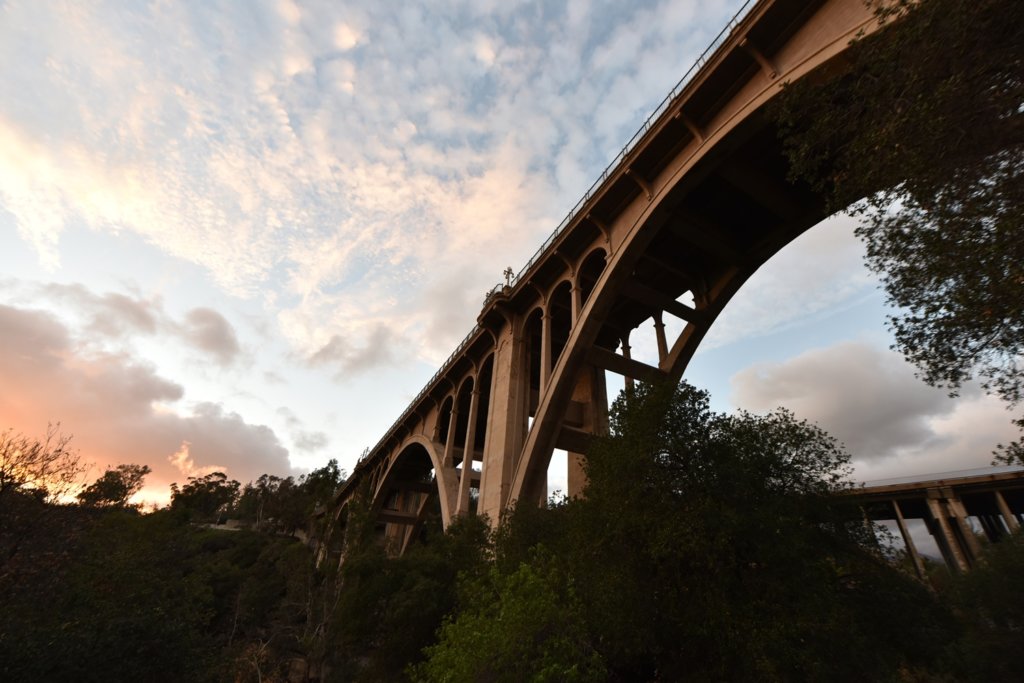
(708, 547)
(98, 591)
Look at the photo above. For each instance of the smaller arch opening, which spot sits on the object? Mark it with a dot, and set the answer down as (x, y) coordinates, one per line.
(532, 336)
(463, 401)
(560, 310)
(444, 417)
(589, 272)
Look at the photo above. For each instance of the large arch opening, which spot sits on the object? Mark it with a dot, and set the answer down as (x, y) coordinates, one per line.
(408, 507)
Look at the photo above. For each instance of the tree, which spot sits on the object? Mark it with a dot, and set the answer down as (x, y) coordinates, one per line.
(991, 600)
(115, 487)
(322, 483)
(926, 124)
(707, 547)
(206, 498)
(527, 625)
(46, 467)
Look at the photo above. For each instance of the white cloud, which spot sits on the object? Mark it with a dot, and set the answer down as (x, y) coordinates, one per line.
(183, 462)
(346, 37)
(347, 190)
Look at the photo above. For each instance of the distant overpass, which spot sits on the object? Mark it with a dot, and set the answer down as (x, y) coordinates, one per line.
(992, 498)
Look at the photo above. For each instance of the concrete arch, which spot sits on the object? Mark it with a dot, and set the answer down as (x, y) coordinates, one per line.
(670, 195)
(697, 203)
(587, 269)
(524, 322)
(567, 279)
(590, 252)
(443, 486)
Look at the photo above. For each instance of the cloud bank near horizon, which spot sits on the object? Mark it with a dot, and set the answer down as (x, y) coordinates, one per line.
(869, 398)
(120, 409)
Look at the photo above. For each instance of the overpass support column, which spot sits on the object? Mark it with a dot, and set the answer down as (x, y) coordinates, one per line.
(506, 423)
(952, 532)
(466, 481)
(1011, 521)
(956, 507)
(909, 542)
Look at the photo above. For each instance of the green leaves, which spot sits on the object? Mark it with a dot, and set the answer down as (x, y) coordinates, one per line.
(115, 487)
(708, 547)
(924, 130)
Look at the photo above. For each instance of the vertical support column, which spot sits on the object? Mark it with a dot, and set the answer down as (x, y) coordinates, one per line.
(1008, 517)
(577, 300)
(449, 444)
(465, 482)
(506, 422)
(545, 351)
(947, 540)
(591, 389)
(909, 542)
(972, 547)
(447, 486)
(625, 354)
(659, 331)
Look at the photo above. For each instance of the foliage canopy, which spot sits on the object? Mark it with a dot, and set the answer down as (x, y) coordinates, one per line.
(925, 122)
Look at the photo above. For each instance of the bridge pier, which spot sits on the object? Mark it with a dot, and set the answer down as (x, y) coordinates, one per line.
(506, 422)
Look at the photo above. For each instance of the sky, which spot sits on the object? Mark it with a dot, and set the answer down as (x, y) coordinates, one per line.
(241, 236)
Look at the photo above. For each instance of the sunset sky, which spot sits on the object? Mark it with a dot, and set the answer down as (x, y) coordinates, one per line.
(241, 236)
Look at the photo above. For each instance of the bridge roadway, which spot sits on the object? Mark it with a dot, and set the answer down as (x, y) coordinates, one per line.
(697, 201)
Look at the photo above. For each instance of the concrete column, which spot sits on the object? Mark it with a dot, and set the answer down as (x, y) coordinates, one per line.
(1011, 521)
(506, 422)
(449, 444)
(582, 393)
(545, 351)
(946, 538)
(590, 388)
(577, 301)
(462, 507)
(908, 541)
(625, 354)
(956, 508)
(659, 331)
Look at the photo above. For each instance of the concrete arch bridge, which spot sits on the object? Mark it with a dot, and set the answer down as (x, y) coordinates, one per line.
(693, 206)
